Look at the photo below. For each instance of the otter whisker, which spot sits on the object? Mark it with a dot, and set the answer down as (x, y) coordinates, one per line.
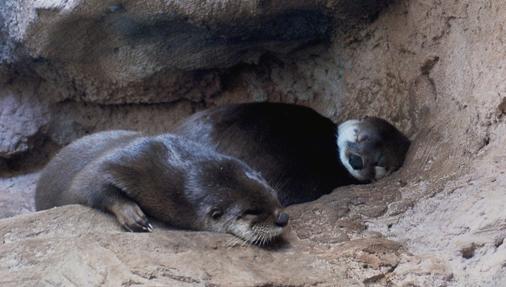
(232, 242)
(262, 240)
(244, 243)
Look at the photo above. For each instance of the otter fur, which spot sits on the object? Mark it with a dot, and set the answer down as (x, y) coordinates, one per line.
(167, 177)
(298, 151)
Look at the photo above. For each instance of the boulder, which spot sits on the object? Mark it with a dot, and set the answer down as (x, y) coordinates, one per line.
(158, 51)
(22, 120)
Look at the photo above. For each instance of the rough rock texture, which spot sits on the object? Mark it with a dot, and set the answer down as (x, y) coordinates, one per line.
(434, 68)
(22, 118)
(118, 53)
(16, 194)
(75, 245)
(159, 51)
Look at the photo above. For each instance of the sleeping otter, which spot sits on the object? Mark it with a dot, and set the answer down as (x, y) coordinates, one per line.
(168, 177)
(298, 151)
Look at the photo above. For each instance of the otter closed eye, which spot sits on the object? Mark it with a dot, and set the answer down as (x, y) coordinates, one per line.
(216, 213)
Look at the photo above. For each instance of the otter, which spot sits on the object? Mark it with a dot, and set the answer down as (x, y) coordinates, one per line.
(166, 177)
(298, 151)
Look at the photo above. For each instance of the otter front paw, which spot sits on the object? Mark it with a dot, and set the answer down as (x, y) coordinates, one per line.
(131, 217)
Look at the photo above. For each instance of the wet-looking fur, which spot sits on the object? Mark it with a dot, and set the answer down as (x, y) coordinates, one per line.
(170, 178)
(298, 151)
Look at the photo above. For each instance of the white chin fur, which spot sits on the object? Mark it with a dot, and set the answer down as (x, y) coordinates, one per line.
(379, 172)
(348, 132)
(257, 235)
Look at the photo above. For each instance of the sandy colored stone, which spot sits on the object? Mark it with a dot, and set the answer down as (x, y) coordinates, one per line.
(79, 246)
(22, 119)
(158, 51)
(17, 194)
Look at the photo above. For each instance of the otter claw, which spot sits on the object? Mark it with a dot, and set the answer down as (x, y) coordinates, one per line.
(148, 227)
(138, 227)
(131, 217)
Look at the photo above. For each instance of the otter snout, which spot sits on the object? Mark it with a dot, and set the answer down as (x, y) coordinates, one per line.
(281, 218)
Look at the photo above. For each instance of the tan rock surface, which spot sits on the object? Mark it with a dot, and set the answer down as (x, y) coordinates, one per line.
(79, 246)
(135, 51)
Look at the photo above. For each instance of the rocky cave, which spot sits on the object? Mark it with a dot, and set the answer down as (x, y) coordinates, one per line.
(436, 69)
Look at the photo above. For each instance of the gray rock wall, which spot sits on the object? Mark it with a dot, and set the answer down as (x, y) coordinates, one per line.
(106, 55)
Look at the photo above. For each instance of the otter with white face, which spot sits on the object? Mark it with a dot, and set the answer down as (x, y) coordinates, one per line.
(298, 151)
(370, 148)
(167, 177)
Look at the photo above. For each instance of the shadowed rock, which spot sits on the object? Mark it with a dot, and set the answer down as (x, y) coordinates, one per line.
(101, 48)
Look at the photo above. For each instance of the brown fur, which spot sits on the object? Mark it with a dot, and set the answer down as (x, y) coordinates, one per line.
(167, 177)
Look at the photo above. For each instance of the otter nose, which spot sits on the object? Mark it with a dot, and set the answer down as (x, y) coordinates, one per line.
(356, 162)
(282, 219)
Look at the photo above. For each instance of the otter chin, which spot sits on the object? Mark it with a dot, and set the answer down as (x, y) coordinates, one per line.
(259, 229)
(167, 177)
(254, 226)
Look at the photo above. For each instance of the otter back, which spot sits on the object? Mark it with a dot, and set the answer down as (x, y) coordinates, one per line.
(292, 146)
(168, 177)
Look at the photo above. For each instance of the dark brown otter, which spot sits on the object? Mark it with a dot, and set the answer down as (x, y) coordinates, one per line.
(170, 178)
(298, 151)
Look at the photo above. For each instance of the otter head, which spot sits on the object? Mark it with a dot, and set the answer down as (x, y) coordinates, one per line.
(371, 148)
(235, 199)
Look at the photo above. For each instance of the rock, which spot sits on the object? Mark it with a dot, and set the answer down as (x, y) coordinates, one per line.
(17, 194)
(465, 224)
(22, 118)
(502, 107)
(159, 51)
(111, 53)
(80, 246)
(468, 251)
(72, 120)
